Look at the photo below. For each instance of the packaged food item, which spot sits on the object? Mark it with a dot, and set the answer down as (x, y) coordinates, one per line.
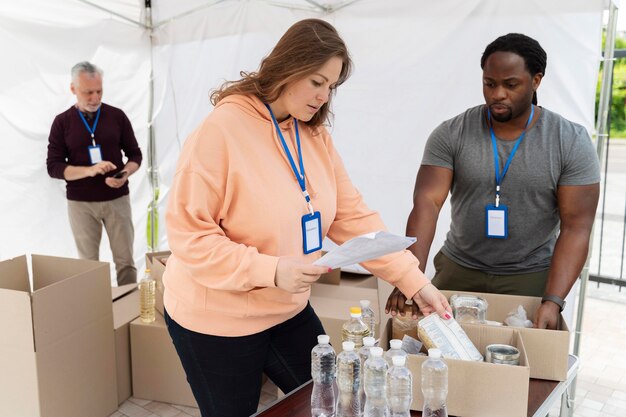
(447, 336)
(468, 308)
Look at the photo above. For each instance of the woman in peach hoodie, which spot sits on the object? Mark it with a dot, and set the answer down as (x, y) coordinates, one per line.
(258, 185)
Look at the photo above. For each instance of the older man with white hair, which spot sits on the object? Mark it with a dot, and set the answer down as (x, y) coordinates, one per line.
(87, 146)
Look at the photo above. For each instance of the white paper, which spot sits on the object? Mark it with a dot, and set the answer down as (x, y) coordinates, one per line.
(363, 248)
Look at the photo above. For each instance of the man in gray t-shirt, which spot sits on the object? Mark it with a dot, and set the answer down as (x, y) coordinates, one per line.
(524, 227)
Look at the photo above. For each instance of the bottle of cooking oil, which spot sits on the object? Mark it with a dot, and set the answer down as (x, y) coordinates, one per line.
(355, 330)
(147, 294)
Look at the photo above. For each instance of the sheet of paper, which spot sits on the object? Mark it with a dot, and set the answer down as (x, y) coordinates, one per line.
(363, 248)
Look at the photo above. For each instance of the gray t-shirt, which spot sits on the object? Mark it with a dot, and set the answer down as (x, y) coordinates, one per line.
(553, 152)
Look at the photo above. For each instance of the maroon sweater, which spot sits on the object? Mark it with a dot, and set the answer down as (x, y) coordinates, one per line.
(68, 142)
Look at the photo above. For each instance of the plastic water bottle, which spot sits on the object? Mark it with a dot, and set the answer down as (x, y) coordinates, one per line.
(323, 369)
(354, 330)
(364, 354)
(374, 382)
(368, 317)
(399, 388)
(147, 298)
(434, 385)
(395, 349)
(348, 381)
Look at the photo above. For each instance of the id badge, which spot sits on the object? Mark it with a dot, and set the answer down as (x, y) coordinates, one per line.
(95, 154)
(311, 232)
(497, 221)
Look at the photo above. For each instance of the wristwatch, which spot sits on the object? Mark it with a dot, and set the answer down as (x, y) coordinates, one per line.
(555, 299)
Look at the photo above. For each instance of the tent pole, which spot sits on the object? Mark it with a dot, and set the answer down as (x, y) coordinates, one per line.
(153, 176)
(602, 135)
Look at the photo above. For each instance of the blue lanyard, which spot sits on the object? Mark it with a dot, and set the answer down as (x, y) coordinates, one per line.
(300, 176)
(91, 130)
(500, 176)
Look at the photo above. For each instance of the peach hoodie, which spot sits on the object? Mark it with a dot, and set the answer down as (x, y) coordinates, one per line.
(235, 207)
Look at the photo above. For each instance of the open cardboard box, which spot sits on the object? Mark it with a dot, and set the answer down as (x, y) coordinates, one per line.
(477, 389)
(57, 353)
(547, 350)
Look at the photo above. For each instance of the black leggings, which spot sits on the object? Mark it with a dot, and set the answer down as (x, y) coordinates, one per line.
(225, 372)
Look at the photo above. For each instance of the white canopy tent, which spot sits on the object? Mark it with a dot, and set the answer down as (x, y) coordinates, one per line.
(416, 64)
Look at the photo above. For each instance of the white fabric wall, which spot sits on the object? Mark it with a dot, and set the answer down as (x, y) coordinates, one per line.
(416, 64)
(40, 42)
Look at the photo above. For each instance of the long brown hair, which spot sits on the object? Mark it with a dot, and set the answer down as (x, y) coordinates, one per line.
(304, 48)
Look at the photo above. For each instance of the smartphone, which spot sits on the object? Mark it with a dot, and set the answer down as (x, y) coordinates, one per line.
(119, 175)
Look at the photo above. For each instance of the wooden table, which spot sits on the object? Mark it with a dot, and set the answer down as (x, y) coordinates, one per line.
(542, 396)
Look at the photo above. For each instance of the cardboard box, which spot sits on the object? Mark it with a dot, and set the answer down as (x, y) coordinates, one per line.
(547, 350)
(158, 374)
(478, 389)
(125, 309)
(156, 261)
(57, 352)
(332, 302)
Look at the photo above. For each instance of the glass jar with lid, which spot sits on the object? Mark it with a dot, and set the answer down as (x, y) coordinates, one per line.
(468, 308)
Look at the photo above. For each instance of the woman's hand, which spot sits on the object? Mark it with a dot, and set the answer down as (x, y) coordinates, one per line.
(295, 276)
(429, 300)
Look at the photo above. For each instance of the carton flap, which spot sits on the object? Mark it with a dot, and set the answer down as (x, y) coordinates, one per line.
(118, 292)
(71, 303)
(125, 309)
(14, 274)
(50, 269)
(16, 321)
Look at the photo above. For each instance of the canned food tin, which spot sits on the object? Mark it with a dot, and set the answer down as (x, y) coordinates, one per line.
(503, 354)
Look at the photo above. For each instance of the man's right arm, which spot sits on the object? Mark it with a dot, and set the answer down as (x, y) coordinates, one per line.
(432, 186)
(73, 173)
(431, 190)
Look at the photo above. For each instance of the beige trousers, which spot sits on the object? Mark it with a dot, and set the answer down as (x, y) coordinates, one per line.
(86, 220)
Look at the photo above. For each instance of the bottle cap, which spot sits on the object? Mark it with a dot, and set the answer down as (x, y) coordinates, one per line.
(364, 303)
(376, 351)
(355, 311)
(369, 341)
(147, 271)
(434, 353)
(398, 360)
(323, 339)
(395, 343)
(347, 346)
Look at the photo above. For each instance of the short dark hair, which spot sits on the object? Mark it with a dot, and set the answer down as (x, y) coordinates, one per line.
(535, 58)
(304, 48)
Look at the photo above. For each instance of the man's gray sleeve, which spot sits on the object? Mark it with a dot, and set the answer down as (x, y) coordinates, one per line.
(581, 165)
(438, 150)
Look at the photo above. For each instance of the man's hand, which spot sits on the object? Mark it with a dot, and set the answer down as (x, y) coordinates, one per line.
(396, 303)
(114, 182)
(547, 316)
(295, 276)
(428, 300)
(100, 168)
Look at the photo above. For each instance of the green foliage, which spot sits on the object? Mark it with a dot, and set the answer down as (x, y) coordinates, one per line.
(618, 112)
